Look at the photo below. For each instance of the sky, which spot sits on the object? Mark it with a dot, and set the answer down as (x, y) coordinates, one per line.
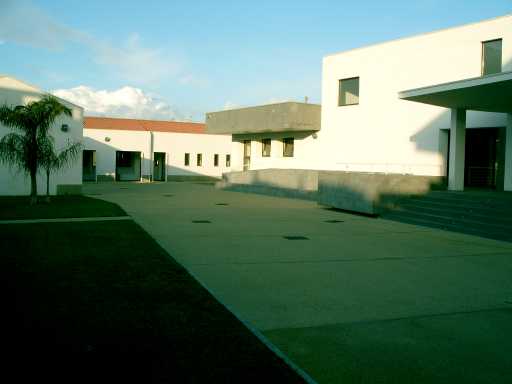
(177, 60)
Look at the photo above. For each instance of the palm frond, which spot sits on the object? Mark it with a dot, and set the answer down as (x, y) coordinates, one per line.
(13, 151)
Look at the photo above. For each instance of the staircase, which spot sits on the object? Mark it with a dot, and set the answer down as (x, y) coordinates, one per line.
(481, 213)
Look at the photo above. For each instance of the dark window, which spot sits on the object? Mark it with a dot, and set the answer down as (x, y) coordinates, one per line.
(187, 159)
(288, 147)
(124, 159)
(228, 160)
(199, 159)
(348, 91)
(265, 147)
(491, 57)
(216, 160)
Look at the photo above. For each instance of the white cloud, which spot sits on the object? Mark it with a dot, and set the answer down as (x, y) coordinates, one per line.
(133, 62)
(22, 22)
(127, 102)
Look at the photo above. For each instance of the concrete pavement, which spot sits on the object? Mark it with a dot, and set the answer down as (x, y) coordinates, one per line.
(358, 300)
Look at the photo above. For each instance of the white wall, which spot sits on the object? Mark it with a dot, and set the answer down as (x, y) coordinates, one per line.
(12, 182)
(174, 145)
(304, 156)
(386, 134)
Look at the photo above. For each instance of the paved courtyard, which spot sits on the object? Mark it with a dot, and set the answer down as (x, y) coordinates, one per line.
(346, 297)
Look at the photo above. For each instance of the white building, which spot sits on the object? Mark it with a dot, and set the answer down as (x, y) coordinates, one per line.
(135, 150)
(431, 107)
(66, 129)
(368, 124)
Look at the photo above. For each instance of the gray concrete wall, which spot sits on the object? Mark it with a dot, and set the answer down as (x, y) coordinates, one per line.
(368, 193)
(289, 116)
(371, 193)
(191, 178)
(297, 183)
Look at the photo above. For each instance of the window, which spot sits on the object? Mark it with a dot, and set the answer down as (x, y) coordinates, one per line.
(228, 160)
(187, 159)
(491, 57)
(199, 159)
(265, 147)
(216, 160)
(348, 91)
(288, 147)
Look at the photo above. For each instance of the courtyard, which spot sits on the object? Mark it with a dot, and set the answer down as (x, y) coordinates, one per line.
(346, 297)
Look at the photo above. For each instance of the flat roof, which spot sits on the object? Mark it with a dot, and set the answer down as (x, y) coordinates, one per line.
(490, 93)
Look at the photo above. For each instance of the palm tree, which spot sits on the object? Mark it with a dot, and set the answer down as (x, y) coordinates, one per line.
(25, 150)
(53, 161)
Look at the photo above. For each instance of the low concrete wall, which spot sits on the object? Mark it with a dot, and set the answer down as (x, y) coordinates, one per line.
(301, 179)
(191, 178)
(297, 183)
(371, 193)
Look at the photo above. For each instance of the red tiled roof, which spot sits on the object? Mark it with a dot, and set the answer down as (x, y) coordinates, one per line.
(142, 125)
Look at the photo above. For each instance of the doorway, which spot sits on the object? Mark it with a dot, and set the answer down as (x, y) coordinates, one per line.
(159, 166)
(128, 166)
(483, 161)
(247, 154)
(88, 165)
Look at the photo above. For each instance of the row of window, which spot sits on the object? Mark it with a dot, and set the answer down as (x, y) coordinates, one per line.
(199, 160)
(348, 91)
(266, 147)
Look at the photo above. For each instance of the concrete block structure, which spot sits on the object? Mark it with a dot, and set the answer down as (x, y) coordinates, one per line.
(66, 129)
(135, 150)
(270, 136)
(436, 105)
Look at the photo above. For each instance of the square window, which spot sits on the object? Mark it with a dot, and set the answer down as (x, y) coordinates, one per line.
(288, 147)
(187, 159)
(199, 159)
(348, 91)
(491, 57)
(216, 160)
(266, 147)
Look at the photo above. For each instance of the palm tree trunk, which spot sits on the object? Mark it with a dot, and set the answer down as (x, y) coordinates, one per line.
(33, 187)
(48, 185)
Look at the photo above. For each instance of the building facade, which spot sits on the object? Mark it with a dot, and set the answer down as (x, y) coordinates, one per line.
(367, 126)
(66, 129)
(430, 107)
(136, 150)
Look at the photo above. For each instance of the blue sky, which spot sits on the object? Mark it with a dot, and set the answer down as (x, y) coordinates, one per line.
(170, 59)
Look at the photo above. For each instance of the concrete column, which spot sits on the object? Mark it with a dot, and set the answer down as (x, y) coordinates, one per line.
(457, 149)
(508, 155)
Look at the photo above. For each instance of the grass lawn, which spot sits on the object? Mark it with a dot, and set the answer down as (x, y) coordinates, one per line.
(18, 207)
(102, 301)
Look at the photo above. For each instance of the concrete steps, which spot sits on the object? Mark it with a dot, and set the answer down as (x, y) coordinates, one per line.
(481, 213)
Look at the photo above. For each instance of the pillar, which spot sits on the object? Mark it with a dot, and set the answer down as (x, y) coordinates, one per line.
(508, 155)
(457, 149)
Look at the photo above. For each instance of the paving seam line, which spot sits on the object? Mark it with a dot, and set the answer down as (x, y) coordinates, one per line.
(66, 220)
(307, 378)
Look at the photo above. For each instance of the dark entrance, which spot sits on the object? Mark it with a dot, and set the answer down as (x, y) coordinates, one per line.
(159, 166)
(128, 166)
(88, 165)
(483, 160)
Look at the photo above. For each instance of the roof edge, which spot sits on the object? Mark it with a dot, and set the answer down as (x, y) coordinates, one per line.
(480, 80)
(421, 34)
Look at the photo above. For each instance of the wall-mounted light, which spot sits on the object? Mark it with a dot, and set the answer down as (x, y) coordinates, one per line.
(107, 139)
(64, 127)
